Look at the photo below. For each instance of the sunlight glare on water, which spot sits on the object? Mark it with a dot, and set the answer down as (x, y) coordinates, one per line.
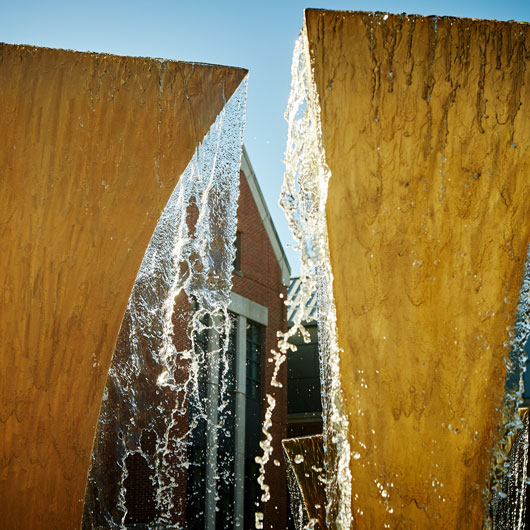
(153, 406)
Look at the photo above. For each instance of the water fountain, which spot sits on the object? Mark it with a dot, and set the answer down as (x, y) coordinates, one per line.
(176, 328)
(406, 188)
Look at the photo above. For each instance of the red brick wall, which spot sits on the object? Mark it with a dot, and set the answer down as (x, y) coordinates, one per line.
(261, 281)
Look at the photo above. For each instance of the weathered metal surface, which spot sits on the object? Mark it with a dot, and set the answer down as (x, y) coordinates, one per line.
(425, 130)
(307, 460)
(92, 148)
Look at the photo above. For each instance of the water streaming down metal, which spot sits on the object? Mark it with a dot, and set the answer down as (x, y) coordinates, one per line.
(298, 511)
(156, 401)
(407, 191)
(307, 481)
(507, 498)
(303, 199)
(508, 502)
(93, 147)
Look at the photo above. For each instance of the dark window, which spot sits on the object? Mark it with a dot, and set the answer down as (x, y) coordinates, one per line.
(197, 400)
(252, 492)
(225, 490)
(253, 361)
(197, 452)
(253, 391)
(226, 434)
(226, 421)
(195, 499)
(303, 390)
(237, 259)
(227, 405)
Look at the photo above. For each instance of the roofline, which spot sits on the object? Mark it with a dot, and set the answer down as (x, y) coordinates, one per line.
(266, 219)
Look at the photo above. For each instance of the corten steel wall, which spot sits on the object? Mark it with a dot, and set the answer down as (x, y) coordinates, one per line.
(261, 281)
(92, 147)
(426, 130)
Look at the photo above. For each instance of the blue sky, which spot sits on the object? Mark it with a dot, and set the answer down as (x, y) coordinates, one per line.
(255, 35)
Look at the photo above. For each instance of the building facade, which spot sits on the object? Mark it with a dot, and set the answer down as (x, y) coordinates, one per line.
(219, 490)
(259, 291)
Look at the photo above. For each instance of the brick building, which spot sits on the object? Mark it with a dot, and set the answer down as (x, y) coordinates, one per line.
(262, 277)
(208, 495)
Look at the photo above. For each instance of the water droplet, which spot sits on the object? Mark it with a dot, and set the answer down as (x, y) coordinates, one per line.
(298, 459)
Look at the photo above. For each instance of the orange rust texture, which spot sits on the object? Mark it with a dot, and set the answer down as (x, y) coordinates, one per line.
(425, 130)
(306, 457)
(92, 147)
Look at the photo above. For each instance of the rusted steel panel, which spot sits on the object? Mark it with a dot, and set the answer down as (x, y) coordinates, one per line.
(307, 460)
(426, 130)
(92, 147)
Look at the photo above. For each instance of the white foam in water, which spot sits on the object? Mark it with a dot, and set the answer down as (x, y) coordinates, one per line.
(298, 511)
(152, 404)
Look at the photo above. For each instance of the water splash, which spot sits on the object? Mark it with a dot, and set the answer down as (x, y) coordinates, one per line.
(508, 503)
(298, 511)
(303, 199)
(505, 493)
(173, 345)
